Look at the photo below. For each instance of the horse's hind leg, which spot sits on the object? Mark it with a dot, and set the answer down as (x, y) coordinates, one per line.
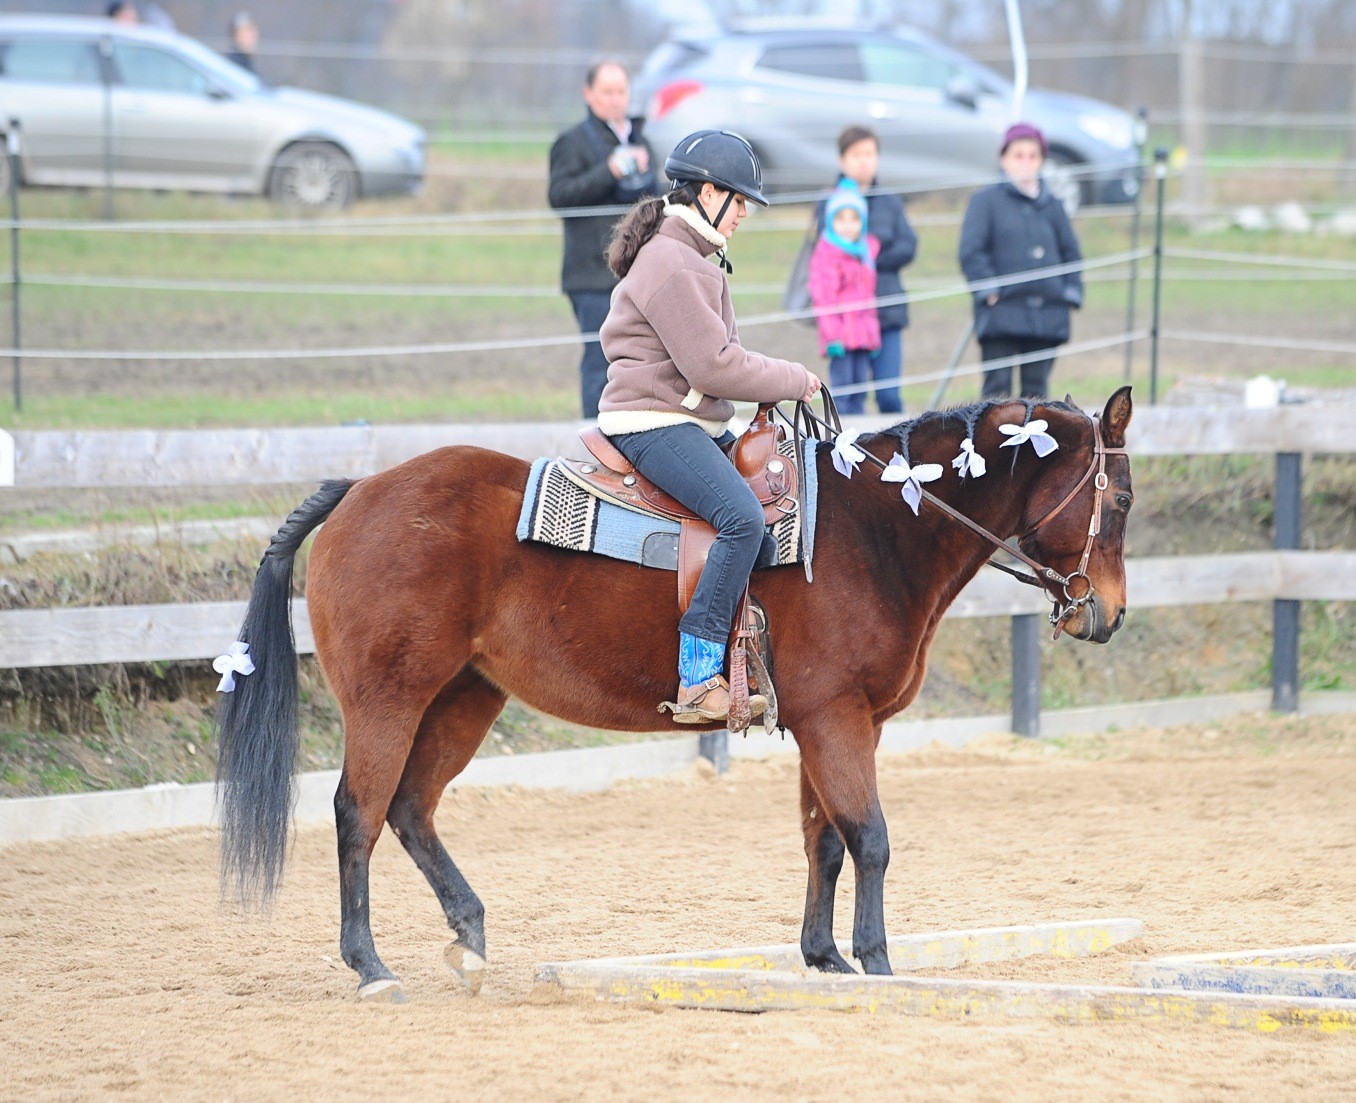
(824, 849)
(377, 743)
(451, 730)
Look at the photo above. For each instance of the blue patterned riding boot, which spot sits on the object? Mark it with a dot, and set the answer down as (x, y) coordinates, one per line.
(698, 660)
(703, 693)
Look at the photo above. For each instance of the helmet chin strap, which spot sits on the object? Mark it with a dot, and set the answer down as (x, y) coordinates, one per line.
(723, 260)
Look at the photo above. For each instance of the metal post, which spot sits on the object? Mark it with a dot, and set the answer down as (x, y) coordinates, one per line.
(715, 748)
(1026, 674)
(1161, 174)
(12, 151)
(1134, 246)
(106, 53)
(1285, 614)
(956, 353)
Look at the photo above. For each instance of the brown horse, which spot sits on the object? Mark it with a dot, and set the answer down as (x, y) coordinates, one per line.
(428, 613)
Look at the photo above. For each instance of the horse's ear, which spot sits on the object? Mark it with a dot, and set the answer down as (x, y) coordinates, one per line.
(1068, 399)
(1116, 417)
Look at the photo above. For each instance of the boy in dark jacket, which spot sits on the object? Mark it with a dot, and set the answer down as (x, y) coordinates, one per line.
(1010, 228)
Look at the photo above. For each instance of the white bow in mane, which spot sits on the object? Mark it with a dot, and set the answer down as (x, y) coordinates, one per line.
(899, 471)
(846, 454)
(1033, 431)
(968, 461)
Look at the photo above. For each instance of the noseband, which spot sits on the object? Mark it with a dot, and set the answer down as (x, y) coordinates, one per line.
(1043, 576)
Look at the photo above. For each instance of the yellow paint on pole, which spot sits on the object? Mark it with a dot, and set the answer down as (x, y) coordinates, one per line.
(773, 979)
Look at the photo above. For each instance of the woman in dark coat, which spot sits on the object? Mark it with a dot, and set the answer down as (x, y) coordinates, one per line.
(1010, 228)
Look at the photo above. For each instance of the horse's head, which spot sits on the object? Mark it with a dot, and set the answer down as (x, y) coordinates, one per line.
(1074, 520)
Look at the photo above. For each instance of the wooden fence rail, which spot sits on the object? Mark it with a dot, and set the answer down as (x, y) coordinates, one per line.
(155, 633)
(243, 457)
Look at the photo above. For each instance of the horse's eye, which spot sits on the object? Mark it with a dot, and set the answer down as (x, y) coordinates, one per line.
(1124, 500)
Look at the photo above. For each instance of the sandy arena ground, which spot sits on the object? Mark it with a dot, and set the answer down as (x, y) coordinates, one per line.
(121, 980)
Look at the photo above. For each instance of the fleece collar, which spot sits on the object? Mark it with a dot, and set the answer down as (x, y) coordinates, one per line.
(693, 219)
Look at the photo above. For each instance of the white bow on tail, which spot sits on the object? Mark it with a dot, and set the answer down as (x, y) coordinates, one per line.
(899, 471)
(236, 661)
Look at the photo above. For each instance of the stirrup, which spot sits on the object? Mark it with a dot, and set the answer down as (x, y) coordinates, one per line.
(707, 702)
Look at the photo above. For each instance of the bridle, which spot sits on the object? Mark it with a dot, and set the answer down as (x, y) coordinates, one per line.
(1063, 605)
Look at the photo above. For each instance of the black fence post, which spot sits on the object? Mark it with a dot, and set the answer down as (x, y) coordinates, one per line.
(1026, 674)
(1285, 613)
(1161, 176)
(715, 748)
(1134, 249)
(12, 153)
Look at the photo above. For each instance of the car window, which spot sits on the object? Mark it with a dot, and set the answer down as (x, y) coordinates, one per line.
(830, 62)
(905, 66)
(153, 70)
(671, 56)
(50, 61)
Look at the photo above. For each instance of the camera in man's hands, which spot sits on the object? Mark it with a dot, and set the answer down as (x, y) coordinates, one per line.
(634, 183)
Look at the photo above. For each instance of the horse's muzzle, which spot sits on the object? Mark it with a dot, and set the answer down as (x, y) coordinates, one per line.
(1089, 622)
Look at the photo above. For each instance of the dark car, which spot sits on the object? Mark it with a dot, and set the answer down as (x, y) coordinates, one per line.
(940, 115)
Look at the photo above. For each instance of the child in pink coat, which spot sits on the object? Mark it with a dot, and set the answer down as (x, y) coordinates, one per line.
(843, 274)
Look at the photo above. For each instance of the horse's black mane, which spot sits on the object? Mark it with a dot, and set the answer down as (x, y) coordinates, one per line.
(964, 417)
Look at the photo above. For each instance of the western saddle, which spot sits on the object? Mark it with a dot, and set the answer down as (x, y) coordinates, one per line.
(774, 480)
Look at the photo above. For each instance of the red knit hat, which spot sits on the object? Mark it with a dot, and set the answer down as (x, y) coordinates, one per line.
(1018, 131)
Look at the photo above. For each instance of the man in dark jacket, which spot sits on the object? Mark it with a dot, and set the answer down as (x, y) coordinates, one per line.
(601, 162)
(858, 158)
(1010, 228)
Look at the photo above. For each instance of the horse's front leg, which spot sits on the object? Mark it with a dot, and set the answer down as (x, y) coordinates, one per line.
(824, 852)
(843, 778)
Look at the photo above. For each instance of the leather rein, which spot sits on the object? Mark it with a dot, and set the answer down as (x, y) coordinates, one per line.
(1042, 576)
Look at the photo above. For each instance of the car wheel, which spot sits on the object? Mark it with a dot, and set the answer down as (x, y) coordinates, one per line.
(1064, 178)
(313, 176)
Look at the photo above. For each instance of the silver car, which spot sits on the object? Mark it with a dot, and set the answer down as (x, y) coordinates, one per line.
(99, 102)
(940, 115)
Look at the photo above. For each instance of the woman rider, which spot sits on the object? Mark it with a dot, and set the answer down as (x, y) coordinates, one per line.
(675, 362)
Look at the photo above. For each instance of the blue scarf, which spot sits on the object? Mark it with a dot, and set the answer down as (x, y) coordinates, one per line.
(858, 249)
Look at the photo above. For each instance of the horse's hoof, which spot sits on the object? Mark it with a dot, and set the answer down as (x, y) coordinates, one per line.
(386, 990)
(467, 964)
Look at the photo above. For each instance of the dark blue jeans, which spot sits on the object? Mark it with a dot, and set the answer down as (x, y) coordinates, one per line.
(590, 310)
(889, 364)
(852, 369)
(683, 461)
(1035, 373)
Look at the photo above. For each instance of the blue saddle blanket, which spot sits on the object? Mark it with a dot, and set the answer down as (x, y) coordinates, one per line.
(561, 511)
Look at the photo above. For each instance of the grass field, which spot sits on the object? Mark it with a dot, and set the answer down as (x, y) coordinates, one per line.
(402, 274)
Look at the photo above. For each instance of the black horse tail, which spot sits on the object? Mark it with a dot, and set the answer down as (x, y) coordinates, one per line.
(256, 724)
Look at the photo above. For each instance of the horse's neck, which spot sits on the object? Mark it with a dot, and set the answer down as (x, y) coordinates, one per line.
(932, 545)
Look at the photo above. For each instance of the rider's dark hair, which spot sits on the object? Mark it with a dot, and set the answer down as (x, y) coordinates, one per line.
(640, 224)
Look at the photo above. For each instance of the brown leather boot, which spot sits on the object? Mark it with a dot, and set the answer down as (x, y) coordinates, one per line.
(708, 701)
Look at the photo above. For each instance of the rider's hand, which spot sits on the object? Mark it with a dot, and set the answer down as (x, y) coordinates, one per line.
(812, 385)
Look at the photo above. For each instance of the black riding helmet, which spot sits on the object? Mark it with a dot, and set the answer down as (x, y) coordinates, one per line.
(717, 157)
(721, 158)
